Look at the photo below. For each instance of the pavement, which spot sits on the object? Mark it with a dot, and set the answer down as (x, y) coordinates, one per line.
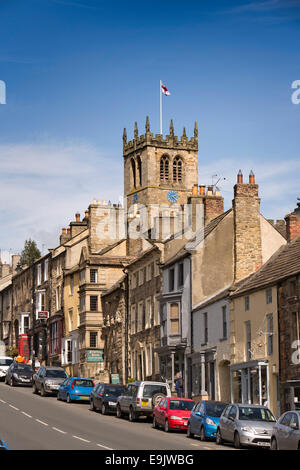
(31, 422)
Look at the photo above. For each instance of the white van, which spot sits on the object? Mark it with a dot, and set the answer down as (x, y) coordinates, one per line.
(5, 362)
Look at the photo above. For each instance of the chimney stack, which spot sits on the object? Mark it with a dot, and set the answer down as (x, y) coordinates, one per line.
(213, 204)
(293, 224)
(247, 231)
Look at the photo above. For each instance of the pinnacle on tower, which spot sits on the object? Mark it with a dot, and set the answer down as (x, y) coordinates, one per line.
(184, 133)
(196, 130)
(124, 136)
(147, 127)
(171, 128)
(136, 132)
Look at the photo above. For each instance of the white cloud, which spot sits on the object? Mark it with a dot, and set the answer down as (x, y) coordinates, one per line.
(43, 185)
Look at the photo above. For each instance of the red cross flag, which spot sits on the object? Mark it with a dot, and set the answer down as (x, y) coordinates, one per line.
(164, 89)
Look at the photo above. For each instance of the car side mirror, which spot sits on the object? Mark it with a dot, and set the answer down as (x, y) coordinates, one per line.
(294, 426)
(198, 413)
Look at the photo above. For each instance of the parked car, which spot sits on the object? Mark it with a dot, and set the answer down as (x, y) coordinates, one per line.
(5, 362)
(3, 445)
(286, 432)
(172, 413)
(140, 398)
(75, 389)
(104, 397)
(19, 373)
(246, 425)
(205, 418)
(48, 380)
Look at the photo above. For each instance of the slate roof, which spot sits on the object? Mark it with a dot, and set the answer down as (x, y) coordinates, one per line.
(284, 263)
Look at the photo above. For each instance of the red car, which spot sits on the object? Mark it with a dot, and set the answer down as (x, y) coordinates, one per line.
(172, 413)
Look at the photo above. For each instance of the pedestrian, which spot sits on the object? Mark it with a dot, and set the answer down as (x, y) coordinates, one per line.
(179, 385)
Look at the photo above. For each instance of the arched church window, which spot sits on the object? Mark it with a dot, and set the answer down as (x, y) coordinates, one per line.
(133, 172)
(139, 168)
(164, 168)
(177, 170)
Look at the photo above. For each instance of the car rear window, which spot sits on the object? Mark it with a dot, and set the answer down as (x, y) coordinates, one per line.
(83, 383)
(23, 367)
(6, 362)
(113, 391)
(215, 409)
(255, 414)
(181, 405)
(58, 374)
(150, 390)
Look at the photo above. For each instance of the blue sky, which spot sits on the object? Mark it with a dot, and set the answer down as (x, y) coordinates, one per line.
(78, 71)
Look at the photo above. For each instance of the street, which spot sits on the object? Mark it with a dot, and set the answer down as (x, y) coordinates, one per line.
(31, 422)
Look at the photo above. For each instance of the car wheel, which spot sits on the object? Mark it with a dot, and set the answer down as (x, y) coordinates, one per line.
(92, 405)
(156, 399)
(188, 431)
(119, 412)
(154, 423)
(202, 434)
(219, 439)
(237, 442)
(69, 399)
(11, 382)
(132, 415)
(274, 444)
(57, 396)
(43, 393)
(167, 426)
(34, 389)
(104, 409)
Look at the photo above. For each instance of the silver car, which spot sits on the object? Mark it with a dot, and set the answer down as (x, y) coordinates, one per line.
(286, 433)
(246, 425)
(48, 380)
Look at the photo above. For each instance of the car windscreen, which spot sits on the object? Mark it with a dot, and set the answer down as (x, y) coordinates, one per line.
(255, 414)
(181, 405)
(150, 390)
(113, 391)
(6, 362)
(57, 374)
(215, 409)
(83, 383)
(23, 367)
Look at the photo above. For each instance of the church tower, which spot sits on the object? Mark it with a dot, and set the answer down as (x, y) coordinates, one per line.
(159, 171)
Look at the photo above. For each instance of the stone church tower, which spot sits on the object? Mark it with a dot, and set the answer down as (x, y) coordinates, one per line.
(159, 171)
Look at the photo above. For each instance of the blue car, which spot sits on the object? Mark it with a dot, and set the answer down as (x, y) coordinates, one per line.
(205, 418)
(75, 389)
(3, 445)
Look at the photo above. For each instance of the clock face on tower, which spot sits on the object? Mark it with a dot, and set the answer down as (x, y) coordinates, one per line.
(172, 196)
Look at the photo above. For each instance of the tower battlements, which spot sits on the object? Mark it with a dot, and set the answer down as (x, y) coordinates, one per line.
(171, 141)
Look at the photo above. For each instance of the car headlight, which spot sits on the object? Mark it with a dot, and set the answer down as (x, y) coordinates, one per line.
(175, 417)
(210, 422)
(247, 429)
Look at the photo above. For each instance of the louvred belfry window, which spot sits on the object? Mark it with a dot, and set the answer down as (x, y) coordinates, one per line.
(177, 170)
(164, 168)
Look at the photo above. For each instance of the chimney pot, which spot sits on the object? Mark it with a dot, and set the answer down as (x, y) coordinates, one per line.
(202, 189)
(251, 178)
(77, 217)
(195, 190)
(240, 177)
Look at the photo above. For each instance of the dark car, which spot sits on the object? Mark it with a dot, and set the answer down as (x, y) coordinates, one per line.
(104, 397)
(19, 373)
(48, 379)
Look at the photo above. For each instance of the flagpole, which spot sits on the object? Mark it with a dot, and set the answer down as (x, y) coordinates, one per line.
(160, 107)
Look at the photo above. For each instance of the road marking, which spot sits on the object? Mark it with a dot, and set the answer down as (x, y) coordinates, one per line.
(26, 414)
(59, 430)
(104, 447)
(14, 407)
(42, 422)
(81, 439)
(3, 401)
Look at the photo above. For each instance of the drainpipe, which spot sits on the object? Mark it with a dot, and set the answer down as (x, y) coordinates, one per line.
(126, 281)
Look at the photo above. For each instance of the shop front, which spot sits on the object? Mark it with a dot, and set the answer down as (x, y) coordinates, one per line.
(249, 383)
